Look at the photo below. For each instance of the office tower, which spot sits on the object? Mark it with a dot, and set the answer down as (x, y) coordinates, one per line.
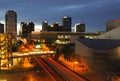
(31, 27)
(56, 26)
(23, 29)
(67, 23)
(51, 28)
(45, 26)
(11, 23)
(60, 28)
(26, 29)
(1, 28)
(80, 27)
(111, 24)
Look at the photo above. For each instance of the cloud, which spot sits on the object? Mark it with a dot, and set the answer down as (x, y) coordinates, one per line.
(94, 13)
(70, 7)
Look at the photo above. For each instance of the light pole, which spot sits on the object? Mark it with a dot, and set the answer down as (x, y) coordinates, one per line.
(75, 62)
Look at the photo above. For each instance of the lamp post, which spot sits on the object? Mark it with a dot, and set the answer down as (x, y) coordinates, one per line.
(75, 62)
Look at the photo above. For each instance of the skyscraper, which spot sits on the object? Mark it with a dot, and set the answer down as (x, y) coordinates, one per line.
(26, 29)
(56, 26)
(67, 23)
(11, 23)
(45, 26)
(80, 27)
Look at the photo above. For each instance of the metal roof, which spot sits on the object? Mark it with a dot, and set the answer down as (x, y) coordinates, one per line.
(101, 44)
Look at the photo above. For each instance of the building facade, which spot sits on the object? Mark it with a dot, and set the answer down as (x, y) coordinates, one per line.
(80, 27)
(1, 28)
(67, 23)
(11, 23)
(99, 54)
(45, 26)
(112, 24)
(5, 51)
(61, 37)
(26, 29)
(55, 27)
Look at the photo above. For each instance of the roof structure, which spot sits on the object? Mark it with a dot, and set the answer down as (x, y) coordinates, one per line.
(112, 34)
(100, 44)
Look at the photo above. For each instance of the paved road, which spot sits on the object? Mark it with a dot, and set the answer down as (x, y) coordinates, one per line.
(64, 72)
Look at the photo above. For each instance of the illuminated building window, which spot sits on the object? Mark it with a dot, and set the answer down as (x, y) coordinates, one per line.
(89, 37)
(38, 46)
(43, 40)
(62, 42)
(63, 36)
(67, 36)
(5, 44)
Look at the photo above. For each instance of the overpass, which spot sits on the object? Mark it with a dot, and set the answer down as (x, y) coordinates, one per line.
(17, 55)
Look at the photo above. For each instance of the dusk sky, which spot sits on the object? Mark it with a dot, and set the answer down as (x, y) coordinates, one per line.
(94, 13)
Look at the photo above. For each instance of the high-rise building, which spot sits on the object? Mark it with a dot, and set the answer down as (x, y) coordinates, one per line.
(1, 28)
(51, 28)
(11, 23)
(45, 26)
(111, 24)
(80, 27)
(23, 29)
(5, 50)
(67, 23)
(26, 29)
(31, 27)
(56, 26)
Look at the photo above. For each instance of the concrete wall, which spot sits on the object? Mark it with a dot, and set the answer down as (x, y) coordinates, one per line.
(99, 60)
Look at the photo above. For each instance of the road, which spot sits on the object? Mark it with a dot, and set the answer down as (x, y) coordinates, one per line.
(53, 75)
(65, 73)
(43, 72)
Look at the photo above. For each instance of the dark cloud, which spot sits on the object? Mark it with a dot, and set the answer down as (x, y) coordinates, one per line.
(94, 13)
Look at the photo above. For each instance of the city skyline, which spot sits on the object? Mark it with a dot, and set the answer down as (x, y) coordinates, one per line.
(93, 13)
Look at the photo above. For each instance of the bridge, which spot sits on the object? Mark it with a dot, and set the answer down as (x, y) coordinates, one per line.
(17, 54)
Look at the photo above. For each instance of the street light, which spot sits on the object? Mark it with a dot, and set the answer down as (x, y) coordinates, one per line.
(76, 62)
